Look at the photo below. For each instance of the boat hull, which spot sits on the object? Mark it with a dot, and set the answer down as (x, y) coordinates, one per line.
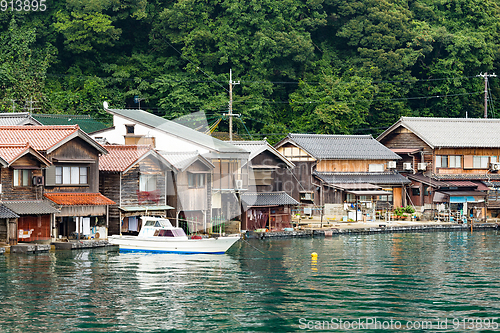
(191, 246)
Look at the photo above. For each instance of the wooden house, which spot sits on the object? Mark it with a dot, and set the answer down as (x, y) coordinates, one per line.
(190, 192)
(265, 203)
(453, 163)
(337, 169)
(135, 178)
(22, 195)
(58, 163)
(228, 176)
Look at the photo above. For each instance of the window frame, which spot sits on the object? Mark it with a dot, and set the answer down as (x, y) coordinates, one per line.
(71, 175)
(19, 176)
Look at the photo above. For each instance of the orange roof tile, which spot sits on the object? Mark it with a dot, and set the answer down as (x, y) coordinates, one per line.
(79, 199)
(12, 152)
(39, 137)
(120, 157)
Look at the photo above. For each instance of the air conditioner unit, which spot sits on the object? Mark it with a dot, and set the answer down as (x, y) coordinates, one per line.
(307, 196)
(494, 166)
(391, 164)
(239, 184)
(422, 166)
(407, 166)
(38, 180)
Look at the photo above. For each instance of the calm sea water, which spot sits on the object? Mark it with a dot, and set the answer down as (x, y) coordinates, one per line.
(440, 278)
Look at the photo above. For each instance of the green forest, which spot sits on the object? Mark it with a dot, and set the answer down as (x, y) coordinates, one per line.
(309, 66)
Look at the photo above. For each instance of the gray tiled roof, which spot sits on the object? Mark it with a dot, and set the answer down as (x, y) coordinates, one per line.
(257, 147)
(465, 176)
(6, 213)
(177, 130)
(376, 178)
(17, 118)
(342, 147)
(27, 207)
(267, 199)
(452, 132)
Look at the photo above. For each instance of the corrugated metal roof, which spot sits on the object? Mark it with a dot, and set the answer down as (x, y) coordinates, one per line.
(452, 132)
(120, 157)
(31, 207)
(79, 199)
(177, 130)
(145, 208)
(6, 213)
(267, 199)
(85, 122)
(376, 178)
(182, 160)
(342, 147)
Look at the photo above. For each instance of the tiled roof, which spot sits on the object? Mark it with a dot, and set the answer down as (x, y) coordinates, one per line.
(30, 207)
(341, 147)
(177, 130)
(17, 118)
(10, 153)
(445, 177)
(79, 199)
(257, 147)
(376, 178)
(6, 213)
(120, 157)
(182, 160)
(44, 138)
(85, 122)
(267, 199)
(452, 132)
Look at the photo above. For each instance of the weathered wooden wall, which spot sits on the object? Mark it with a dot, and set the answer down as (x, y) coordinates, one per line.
(77, 149)
(109, 185)
(9, 192)
(130, 192)
(347, 165)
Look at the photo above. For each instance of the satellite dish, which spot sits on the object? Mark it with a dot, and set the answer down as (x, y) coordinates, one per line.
(105, 104)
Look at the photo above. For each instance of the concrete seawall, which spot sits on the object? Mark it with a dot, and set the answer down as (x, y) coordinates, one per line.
(369, 229)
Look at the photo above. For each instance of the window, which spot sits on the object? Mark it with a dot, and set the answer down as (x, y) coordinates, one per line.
(493, 159)
(376, 167)
(130, 129)
(147, 183)
(71, 175)
(480, 162)
(441, 161)
(415, 191)
(22, 177)
(196, 180)
(455, 161)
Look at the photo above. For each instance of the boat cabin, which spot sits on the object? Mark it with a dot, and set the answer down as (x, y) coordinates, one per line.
(159, 227)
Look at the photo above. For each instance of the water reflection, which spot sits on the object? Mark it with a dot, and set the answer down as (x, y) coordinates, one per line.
(258, 286)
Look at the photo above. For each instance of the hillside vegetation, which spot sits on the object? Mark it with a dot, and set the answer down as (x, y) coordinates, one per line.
(316, 66)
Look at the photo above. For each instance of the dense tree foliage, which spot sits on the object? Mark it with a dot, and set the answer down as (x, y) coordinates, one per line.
(317, 66)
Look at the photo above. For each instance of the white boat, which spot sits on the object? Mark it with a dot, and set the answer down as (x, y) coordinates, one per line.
(158, 235)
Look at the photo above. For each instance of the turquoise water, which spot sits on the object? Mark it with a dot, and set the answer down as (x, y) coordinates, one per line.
(444, 279)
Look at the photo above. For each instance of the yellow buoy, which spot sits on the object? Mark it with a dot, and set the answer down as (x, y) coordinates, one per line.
(314, 255)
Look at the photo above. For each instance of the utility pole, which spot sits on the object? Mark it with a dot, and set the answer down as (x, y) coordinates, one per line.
(230, 114)
(485, 76)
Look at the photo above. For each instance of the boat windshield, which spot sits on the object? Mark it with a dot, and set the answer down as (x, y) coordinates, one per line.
(158, 223)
